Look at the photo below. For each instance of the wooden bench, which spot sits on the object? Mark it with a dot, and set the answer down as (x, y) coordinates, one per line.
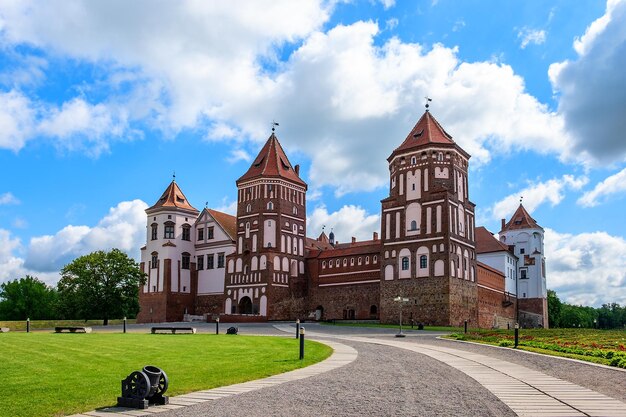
(173, 330)
(4, 330)
(71, 329)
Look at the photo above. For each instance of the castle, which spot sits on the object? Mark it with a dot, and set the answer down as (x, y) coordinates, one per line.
(430, 260)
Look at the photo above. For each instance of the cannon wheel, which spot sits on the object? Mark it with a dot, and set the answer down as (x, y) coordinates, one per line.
(139, 385)
(163, 383)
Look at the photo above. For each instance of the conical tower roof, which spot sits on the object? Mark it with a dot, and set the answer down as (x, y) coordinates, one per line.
(521, 220)
(272, 162)
(173, 197)
(426, 132)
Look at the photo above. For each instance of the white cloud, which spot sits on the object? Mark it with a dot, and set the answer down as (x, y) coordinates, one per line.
(16, 120)
(202, 66)
(238, 155)
(591, 88)
(124, 227)
(347, 222)
(535, 194)
(528, 36)
(387, 4)
(10, 264)
(391, 24)
(228, 208)
(458, 25)
(8, 198)
(587, 269)
(615, 184)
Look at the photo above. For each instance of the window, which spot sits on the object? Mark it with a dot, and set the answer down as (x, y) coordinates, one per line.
(185, 262)
(155, 260)
(375, 259)
(323, 264)
(360, 261)
(169, 230)
(367, 260)
(155, 231)
(270, 206)
(186, 232)
(337, 263)
(210, 232)
(201, 233)
(248, 208)
(295, 210)
(200, 262)
(413, 225)
(413, 187)
(210, 259)
(220, 260)
(413, 160)
(522, 274)
(522, 251)
(405, 263)
(351, 261)
(345, 262)
(440, 156)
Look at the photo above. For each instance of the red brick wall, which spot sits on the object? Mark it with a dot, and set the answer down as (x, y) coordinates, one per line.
(336, 299)
(533, 312)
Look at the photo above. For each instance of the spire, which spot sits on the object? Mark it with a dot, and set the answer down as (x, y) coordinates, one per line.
(272, 162)
(521, 219)
(173, 197)
(331, 237)
(427, 131)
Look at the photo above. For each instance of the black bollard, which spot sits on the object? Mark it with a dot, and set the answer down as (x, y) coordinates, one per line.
(28, 325)
(465, 326)
(298, 328)
(301, 342)
(217, 325)
(516, 334)
(124, 324)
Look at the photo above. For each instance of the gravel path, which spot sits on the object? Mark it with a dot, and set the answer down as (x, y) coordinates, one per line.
(611, 382)
(383, 381)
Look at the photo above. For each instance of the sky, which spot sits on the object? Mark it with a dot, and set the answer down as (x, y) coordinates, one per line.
(102, 101)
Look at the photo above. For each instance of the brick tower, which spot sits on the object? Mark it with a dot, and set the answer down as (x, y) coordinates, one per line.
(265, 275)
(427, 227)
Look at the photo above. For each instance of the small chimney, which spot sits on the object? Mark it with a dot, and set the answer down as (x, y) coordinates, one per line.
(353, 239)
(375, 236)
(297, 169)
(503, 224)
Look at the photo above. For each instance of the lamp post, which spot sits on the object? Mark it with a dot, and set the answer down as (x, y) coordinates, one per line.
(401, 300)
(217, 325)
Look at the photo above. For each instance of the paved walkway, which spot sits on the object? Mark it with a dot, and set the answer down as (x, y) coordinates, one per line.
(525, 391)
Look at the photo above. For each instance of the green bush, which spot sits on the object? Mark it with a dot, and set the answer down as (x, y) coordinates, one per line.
(506, 343)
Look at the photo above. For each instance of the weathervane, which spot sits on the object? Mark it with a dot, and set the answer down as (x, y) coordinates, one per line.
(174, 176)
(520, 199)
(274, 124)
(206, 204)
(427, 100)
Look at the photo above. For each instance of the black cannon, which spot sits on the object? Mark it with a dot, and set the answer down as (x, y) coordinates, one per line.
(141, 388)
(232, 330)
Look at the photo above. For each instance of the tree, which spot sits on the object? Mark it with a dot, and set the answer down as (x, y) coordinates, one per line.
(554, 309)
(27, 298)
(101, 285)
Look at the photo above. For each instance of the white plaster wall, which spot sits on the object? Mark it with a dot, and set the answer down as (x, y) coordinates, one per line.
(269, 233)
(413, 212)
(413, 185)
(422, 272)
(406, 273)
(439, 268)
(389, 272)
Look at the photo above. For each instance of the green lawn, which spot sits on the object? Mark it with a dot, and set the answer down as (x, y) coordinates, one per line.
(49, 324)
(607, 347)
(47, 374)
(405, 326)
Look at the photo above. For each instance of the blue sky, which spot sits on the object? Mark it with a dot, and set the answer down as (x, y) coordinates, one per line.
(100, 102)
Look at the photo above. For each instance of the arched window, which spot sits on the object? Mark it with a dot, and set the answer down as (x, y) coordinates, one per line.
(155, 260)
(295, 210)
(413, 160)
(186, 232)
(405, 263)
(270, 206)
(440, 156)
(248, 208)
(345, 261)
(185, 260)
(413, 225)
(423, 261)
(155, 231)
(323, 264)
(169, 230)
(375, 259)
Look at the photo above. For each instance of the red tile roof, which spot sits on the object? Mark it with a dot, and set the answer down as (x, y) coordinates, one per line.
(173, 197)
(486, 242)
(427, 131)
(272, 162)
(228, 222)
(521, 220)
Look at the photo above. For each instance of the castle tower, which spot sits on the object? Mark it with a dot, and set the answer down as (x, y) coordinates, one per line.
(525, 236)
(266, 273)
(427, 227)
(167, 259)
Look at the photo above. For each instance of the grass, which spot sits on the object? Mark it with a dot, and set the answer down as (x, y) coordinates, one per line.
(394, 326)
(49, 324)
(607, 347)
(47, 374)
